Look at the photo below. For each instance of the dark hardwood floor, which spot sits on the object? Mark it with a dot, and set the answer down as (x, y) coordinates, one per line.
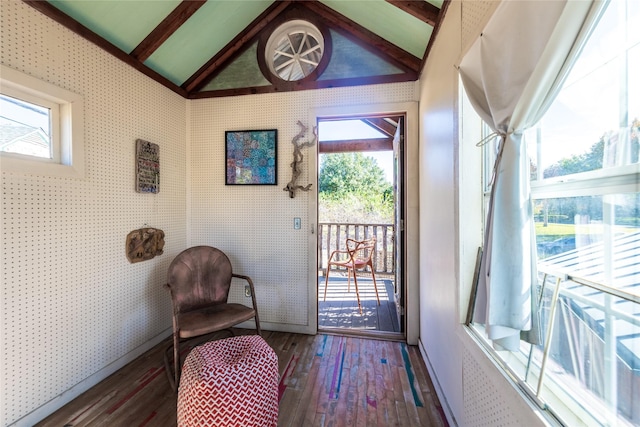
(325, 380)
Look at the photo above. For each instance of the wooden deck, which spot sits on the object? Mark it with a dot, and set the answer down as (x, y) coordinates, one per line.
(325, 380)
(340, 310)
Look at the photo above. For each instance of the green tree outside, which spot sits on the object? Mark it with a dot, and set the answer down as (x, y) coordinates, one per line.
(352, 188)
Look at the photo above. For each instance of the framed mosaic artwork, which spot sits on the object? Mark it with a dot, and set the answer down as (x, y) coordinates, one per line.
(251, 157)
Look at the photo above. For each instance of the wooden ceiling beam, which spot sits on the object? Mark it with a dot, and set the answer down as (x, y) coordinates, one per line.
(307, 85)
(422, 10)
(363, 37)
(166, 28)
(381, 125)
(351, 145)
(57, 15)
(436, 29)
(235, 46)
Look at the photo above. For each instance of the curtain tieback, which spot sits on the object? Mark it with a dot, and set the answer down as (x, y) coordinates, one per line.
(485, 140)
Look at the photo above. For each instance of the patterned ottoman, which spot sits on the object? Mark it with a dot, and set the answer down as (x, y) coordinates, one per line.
(229, 382)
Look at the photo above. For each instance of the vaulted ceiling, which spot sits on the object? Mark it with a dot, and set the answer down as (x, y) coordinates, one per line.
(202, 49)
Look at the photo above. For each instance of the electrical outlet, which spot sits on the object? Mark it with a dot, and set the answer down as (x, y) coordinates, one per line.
(247, 291)
(297, 223)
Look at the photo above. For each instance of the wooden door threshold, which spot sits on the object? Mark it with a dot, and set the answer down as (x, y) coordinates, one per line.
(362, 333)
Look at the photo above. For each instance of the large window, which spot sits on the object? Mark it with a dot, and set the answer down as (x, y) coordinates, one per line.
(585, 172)
(41, 127)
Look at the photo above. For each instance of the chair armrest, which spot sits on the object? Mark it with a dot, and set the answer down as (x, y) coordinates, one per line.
(240, 276)
(337, 251)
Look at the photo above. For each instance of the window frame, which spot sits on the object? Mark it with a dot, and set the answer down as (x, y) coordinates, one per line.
(555, 398)
(68, 128)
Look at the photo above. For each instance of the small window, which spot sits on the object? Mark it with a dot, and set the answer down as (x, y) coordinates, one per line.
(27, 125)
(294, 50)
(41, 127)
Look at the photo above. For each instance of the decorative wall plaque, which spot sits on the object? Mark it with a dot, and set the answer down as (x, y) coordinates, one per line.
(144, 244)
(147, 167)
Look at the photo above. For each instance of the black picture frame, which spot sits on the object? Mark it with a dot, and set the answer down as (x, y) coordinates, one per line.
(251, 157)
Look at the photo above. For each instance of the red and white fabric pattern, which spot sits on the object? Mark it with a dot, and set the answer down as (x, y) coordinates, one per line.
(229, 382)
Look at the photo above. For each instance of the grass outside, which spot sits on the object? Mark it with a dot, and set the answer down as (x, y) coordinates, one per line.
(555, 231)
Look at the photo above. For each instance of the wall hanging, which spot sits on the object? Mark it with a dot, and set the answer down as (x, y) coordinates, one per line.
(297, 159)
(147, 167)
(144, 243)
(251, 157)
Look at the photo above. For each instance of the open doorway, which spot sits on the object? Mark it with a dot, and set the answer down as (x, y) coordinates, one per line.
(361, 197)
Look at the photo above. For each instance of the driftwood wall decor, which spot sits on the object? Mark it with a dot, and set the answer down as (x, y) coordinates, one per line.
(297, 159)
(144, 244)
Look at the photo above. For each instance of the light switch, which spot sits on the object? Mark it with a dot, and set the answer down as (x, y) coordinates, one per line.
(296, 223)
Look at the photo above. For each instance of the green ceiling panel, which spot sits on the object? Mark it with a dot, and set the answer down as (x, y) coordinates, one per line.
(210, 29)
(243, 72)
(406, 32)
(350, 60)
(123, 23)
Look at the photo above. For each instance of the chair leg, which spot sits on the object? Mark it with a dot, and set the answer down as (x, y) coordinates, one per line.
(375, 286)
(167, 367)
(326, 282)
(258, 330)
(355, 282)
(176, 362)
(173, 375)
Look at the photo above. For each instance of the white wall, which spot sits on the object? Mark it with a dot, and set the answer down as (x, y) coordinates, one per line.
(73, 308)
(473, 391)
(254, 224)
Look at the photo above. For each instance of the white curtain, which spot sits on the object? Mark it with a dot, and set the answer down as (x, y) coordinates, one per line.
(511, 75)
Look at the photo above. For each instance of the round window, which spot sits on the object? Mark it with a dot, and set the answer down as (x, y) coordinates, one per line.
(294, 50)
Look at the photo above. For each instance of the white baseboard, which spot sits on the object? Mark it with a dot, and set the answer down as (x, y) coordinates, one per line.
(436, 384)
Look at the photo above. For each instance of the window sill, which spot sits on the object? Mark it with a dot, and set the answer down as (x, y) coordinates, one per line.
(564, 407)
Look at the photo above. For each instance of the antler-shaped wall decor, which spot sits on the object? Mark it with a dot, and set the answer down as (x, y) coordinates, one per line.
(297, 159)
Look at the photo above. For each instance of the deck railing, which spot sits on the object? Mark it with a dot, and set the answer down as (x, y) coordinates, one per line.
(332, 236)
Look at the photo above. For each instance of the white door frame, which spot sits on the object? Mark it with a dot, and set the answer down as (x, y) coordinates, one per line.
(412, 270)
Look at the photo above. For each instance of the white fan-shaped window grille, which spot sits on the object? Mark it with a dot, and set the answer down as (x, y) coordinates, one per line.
(294, 50)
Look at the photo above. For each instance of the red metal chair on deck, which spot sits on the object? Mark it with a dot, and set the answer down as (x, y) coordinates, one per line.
(357, 256)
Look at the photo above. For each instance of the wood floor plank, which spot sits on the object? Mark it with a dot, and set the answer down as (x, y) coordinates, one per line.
(340, 416)
(371, 399)
(412, 411)
(400, 397)
(301, 410)
(325, 380)
(432, 405)
(361, 401)
(386, 409)
(321, 400)
(313, 406)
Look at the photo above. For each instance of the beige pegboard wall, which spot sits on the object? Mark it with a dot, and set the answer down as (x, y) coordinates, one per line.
(71, 302)
(489, 399)
(475, 15)
(254, 224)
